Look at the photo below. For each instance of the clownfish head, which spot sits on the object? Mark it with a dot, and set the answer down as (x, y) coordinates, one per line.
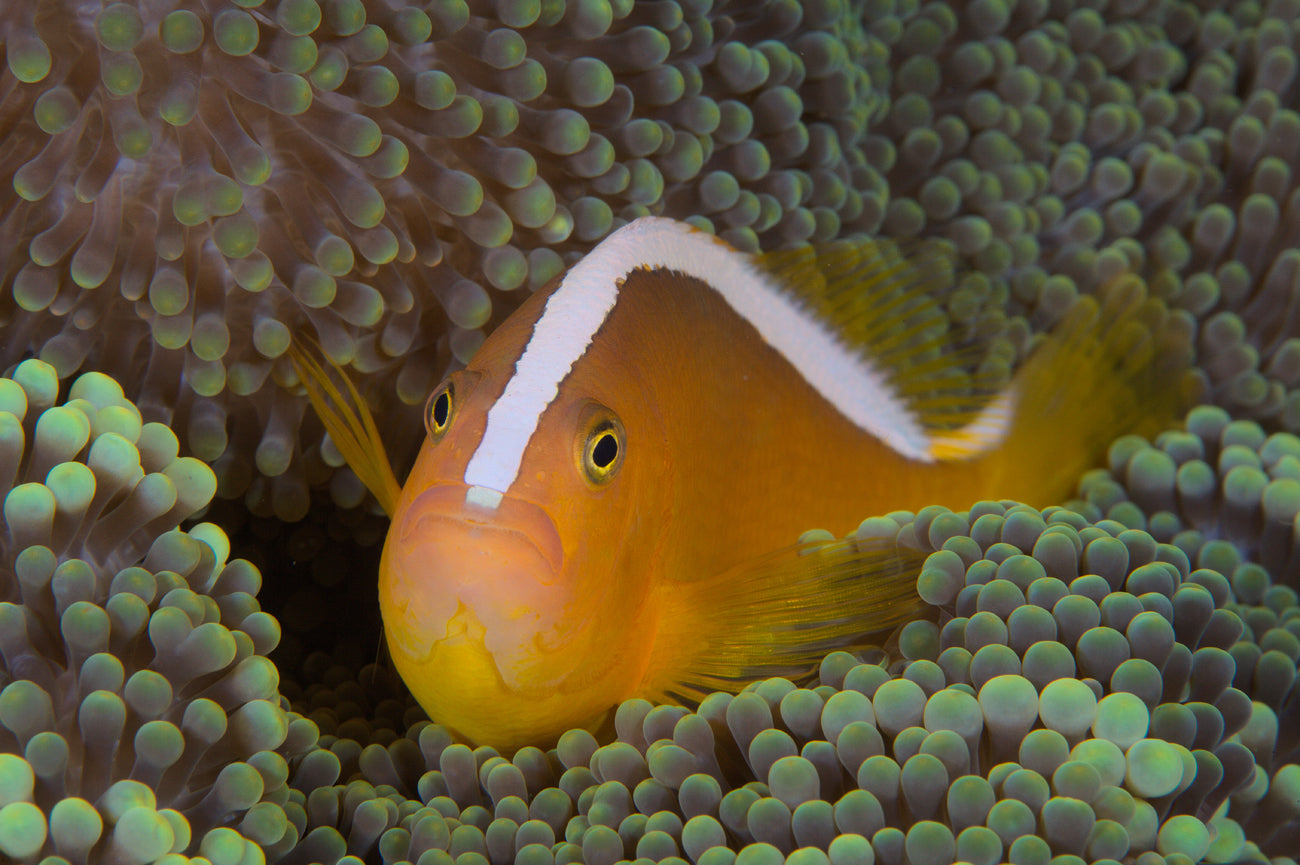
(515, 574)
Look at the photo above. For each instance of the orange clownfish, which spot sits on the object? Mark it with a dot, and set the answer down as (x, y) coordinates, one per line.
(593, 514)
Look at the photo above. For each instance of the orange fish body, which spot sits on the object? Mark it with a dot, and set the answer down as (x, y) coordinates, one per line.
(629, 434)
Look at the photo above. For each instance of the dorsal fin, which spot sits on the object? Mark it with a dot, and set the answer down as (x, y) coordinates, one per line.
(347, 419)
(884, 300)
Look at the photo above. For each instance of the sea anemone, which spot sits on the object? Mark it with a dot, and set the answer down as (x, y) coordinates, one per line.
(386, 175)
(139, 713)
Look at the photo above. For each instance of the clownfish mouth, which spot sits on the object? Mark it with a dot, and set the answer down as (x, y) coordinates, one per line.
(444, 553)
(484, 537)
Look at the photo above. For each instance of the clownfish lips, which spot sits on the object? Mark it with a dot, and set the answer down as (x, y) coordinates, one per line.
(445, 552)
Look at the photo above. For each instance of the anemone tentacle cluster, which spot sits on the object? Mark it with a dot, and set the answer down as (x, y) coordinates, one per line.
(1224, 491)
(1059, 143)
(139, 713)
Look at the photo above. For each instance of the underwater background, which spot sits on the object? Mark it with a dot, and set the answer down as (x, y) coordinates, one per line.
(190, 641)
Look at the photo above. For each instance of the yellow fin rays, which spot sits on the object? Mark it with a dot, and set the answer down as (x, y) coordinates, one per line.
(1117, 363)
(779, 614)
(885, 301)
(348, 421)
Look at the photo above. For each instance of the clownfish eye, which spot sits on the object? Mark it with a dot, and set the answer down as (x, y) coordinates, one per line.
(439, 411)
(601, 448)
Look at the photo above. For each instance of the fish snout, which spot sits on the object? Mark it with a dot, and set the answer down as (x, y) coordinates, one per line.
(446, 549)
(507, 521)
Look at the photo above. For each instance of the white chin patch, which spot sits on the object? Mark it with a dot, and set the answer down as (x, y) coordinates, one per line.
(483, 497)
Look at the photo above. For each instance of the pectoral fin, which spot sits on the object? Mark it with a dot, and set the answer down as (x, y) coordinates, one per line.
(779, 614)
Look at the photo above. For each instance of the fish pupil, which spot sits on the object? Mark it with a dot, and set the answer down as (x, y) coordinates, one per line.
(605, 451)
(441, 408)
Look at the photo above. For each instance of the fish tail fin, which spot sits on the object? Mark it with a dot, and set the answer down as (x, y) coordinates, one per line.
(1117, 363)
(780, 614)
(347, 419)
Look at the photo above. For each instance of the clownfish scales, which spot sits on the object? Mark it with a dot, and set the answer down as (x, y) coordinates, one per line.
(593, 514)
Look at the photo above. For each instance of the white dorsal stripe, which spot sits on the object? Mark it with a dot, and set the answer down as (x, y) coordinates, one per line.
(989, 428)
(586, 296)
